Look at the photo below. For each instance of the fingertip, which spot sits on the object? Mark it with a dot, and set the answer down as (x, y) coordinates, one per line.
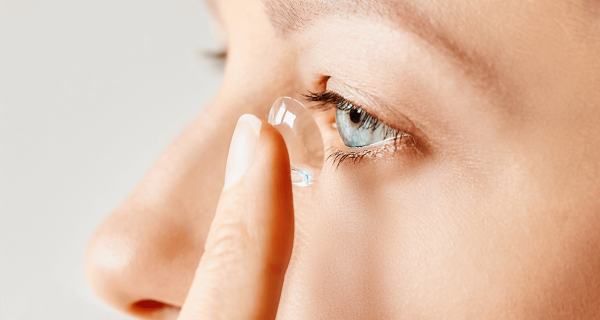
(273, 145)
(270, 181)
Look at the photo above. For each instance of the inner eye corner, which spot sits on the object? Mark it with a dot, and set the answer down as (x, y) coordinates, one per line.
(317, 85)
(322, 83)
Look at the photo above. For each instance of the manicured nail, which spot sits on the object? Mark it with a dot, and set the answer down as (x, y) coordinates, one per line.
(242, 149)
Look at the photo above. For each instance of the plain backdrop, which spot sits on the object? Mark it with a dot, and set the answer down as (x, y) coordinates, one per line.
(91, 93)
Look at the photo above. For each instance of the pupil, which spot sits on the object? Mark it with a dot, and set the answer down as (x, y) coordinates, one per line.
(355, 115)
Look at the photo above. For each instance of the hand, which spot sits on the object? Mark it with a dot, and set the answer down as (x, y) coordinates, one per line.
(249, 244)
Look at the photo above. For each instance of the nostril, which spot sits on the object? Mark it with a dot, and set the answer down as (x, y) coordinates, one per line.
(152, 309)
(148, 305)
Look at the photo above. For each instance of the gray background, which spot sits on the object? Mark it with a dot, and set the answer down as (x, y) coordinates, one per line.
(91, 93)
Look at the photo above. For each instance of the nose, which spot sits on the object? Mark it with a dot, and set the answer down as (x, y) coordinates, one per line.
(142, 258)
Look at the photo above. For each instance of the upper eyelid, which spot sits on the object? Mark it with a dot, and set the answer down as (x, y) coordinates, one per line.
(325, 98)
(375, 106)
(416, 136)
(372, 123)
(328, 98)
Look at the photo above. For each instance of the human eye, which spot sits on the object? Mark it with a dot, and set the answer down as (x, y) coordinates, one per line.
(358, 129)
(219, 55)
(362, 133)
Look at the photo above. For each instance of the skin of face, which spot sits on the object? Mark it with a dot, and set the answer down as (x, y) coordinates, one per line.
(494, 213)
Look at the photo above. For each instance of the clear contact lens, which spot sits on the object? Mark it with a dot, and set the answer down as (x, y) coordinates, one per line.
(302, 137)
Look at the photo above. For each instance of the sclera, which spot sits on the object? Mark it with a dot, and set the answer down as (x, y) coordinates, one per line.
(302, 137)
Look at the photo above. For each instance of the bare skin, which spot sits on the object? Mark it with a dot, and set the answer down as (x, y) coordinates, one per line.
(494, 213)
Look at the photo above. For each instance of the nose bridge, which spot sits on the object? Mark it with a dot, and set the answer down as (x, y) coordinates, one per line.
(142, 259)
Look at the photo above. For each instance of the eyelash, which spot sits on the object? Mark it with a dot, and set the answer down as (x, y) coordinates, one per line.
(329, 99)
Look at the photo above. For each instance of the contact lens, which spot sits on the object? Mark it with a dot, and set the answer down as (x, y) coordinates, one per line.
(302, 137)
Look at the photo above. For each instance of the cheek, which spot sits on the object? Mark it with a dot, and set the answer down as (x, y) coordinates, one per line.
(356, 250)
(388, 242)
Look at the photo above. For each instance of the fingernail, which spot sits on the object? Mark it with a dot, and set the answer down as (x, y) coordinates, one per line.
(242, 149)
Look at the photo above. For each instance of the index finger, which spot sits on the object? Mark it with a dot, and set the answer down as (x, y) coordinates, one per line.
(241, 273)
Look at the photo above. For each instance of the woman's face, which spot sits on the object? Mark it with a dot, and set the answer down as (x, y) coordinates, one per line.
(491, 210)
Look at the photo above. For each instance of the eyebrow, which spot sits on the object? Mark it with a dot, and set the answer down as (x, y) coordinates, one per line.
(292, 16)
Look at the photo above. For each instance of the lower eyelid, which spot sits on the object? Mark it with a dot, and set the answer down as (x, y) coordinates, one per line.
(390, 140)
(336, 155)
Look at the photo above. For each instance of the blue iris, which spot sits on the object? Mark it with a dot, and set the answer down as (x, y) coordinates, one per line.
(359, 129)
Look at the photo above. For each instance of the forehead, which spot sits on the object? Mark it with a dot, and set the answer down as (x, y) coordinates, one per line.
(293, 16)
(289, 17)
(476, 34)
